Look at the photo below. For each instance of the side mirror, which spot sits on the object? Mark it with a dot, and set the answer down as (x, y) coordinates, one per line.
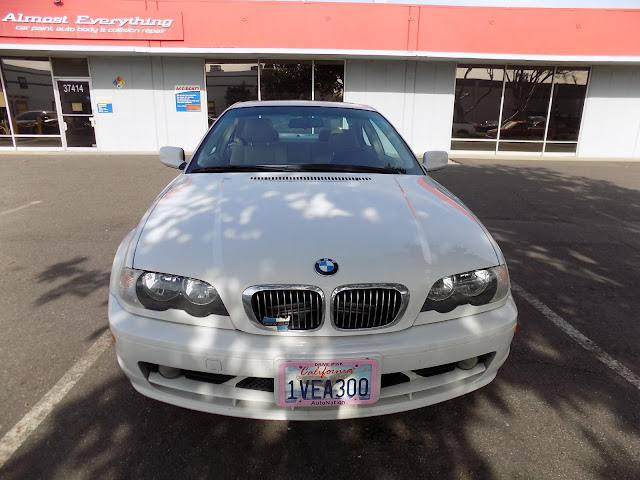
(172, 157)
(435, 160)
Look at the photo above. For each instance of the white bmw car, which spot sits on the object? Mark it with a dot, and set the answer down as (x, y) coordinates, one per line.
(304, 266)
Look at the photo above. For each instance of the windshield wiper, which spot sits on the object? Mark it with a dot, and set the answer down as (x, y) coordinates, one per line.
(307, 167)
(241, 168)
(332, 167)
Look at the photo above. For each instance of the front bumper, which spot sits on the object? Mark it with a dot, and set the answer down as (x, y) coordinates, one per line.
(142, 342)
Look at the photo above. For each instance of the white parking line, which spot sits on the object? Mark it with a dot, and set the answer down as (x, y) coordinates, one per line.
(582, 340)
(26, 426)
(20, 208)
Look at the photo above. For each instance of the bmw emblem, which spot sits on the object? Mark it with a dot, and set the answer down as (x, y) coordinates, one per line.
(326, 267)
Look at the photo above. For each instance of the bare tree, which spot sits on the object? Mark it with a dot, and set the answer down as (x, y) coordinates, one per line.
(461, 94)
(523, 85)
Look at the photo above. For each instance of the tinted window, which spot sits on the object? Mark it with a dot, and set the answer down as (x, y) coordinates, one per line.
(228, 83)
(285, 81)
(30, 89)
(70, 67)
(328, 82)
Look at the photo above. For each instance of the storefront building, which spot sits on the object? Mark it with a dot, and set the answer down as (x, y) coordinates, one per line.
(545, 78)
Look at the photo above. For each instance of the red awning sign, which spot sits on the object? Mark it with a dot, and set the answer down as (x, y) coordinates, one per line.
(96, 26)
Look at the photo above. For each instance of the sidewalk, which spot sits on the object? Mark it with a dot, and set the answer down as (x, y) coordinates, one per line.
(460, 157)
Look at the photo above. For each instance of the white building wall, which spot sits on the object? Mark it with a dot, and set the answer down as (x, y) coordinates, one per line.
(183, 129)
(144, 114)
(131, 126)
(416, 96)
(611, 118)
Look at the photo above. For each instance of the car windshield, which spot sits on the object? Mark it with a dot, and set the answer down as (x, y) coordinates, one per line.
(303, 138)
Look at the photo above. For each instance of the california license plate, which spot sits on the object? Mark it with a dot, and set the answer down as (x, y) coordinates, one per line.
(327, 383)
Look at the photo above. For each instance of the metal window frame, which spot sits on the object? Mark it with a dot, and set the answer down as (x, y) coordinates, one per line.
(546, 127)
(586, 95)
(9, 114)
(504, 83)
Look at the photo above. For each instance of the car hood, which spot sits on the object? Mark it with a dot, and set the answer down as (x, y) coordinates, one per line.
(240, 229)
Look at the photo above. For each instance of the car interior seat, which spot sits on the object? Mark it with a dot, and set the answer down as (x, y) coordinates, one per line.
(259, 145)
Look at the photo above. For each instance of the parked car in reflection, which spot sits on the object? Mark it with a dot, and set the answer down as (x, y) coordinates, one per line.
(487, 125)
(37, 122)
(535, 120)
(534, 129)
(520, 129)
(464, 129)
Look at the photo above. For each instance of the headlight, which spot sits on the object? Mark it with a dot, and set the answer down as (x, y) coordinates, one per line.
(161, 287)
(477, 287)
(161, 291)
(199, 293)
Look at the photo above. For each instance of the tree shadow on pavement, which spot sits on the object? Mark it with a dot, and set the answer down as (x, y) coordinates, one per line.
(553, 410)
(571, 240)
(72, 278)
(113, 432)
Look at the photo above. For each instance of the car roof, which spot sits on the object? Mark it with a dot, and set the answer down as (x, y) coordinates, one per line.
(301, 103)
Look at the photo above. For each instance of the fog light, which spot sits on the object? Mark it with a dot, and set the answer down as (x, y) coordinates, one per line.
(169, 372)
(468, 364)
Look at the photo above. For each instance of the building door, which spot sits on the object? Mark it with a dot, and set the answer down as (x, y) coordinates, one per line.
(77, 114)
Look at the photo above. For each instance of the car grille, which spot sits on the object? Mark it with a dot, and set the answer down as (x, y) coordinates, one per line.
(303, 307)
(368, 306)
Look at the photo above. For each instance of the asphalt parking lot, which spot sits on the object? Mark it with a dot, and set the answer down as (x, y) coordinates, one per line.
(565, 405)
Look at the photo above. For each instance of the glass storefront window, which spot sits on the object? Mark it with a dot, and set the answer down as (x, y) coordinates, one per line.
(475, 145)
(477, 101)
(38, 141)
(561, 147)
(511, 146)
(70, 67)
(328, 84)
(569, 92)
(80, 132)
(231, 81)
(5, 127)
(527, 101)
(228, 83)
(74, 97)
(29, 90)
(285, 81)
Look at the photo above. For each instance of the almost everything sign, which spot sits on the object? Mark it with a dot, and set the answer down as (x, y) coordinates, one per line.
(95, 26)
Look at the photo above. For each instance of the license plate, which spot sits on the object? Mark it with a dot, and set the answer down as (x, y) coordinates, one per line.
(330, 383)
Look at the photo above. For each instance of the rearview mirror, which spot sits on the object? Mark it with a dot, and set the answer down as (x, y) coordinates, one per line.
(306, 122)
(435, 160)
(172, 157)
